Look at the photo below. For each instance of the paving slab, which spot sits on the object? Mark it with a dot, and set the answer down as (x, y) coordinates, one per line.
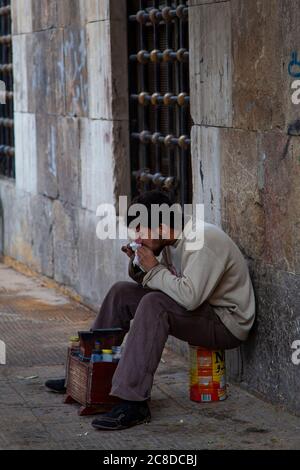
(36, 322)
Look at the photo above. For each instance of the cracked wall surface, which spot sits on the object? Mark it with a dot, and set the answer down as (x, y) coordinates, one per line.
(246, 169)
(71, 121)
(72, 153)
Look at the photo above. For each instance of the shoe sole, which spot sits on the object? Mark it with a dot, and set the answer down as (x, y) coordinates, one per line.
(120, 428)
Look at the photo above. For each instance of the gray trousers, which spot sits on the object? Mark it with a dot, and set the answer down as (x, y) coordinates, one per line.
(156, 316)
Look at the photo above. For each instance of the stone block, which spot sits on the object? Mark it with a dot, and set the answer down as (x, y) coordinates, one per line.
(26, 226)
(289, 14)
(267, 355)
(279, 171)
(75, 54)
(119, 67)
(107, 58)
(22, 21)
(241, 200)
(99, 65)
(44, 14)
(72, 12)
(104, 162)
(99, 10)
(101, 262)
(258, 85)
(59, 158)
(68, 160)
(65, 243)
(41, 220)
(96, 163)
(211, 64)
(257, 89)
(206, 163)
(46, 80)
(26, 152)
(225, 180)
(7, 214)
(21, 44)
(47, 149)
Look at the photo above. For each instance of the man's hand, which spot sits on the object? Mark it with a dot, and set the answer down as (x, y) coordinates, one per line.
(127, 249)
(146, 258)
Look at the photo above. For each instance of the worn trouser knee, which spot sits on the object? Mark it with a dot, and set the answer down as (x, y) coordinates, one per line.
(119, 306)
(109, 315)
(133, 378)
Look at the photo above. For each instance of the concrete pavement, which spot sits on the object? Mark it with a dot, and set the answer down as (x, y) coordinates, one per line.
(35, 323)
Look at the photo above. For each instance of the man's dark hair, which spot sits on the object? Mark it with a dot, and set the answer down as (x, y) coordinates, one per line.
(154, 197)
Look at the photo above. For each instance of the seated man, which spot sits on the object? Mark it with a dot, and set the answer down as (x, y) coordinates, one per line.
(202, 296)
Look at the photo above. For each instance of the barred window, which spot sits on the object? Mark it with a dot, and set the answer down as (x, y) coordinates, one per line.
(7, 151)
(160, 118)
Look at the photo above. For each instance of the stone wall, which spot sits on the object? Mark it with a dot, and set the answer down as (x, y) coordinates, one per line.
(71, 125)
(72, 153)
(246, 169)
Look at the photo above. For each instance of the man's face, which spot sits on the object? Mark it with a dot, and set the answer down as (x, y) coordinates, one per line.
(151, 239)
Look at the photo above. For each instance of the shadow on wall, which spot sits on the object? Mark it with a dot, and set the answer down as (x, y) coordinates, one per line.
(235, 358)
(249, 346)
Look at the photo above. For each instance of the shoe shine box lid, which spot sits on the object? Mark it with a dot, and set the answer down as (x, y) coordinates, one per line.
(108, 338)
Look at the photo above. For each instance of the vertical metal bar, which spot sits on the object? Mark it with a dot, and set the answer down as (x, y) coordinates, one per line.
(1, 106)
(170, 69)
(3, 110)
(10, 106)
(186, 112)
(157, 90)
(7, 166)
(6, 79)
(141, 82)
(11, 112)
(184, 175)
(178, 110)
(7, 60)
(144, 86)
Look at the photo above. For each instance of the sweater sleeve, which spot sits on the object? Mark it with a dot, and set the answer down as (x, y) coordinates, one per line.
(202, 271)
(135, 272)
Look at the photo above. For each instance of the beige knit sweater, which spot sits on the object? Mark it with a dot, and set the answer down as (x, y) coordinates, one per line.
(217, 272)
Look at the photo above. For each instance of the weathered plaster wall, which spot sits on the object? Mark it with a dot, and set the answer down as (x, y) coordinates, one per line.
(247, 169)
(71, 118)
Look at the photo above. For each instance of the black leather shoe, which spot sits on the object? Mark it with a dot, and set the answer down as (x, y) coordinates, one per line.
(56, 385)
(124, 416)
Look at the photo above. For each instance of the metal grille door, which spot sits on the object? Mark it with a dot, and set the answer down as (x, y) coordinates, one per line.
(7, 151)
(159, 97)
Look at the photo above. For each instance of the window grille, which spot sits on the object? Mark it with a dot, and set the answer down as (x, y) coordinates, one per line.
(160, 121)
(7, 150)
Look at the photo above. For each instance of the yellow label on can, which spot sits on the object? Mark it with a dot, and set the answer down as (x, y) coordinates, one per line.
(193, 366)
(218, 365)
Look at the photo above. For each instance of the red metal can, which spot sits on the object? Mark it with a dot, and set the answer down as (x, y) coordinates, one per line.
(207, 375)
